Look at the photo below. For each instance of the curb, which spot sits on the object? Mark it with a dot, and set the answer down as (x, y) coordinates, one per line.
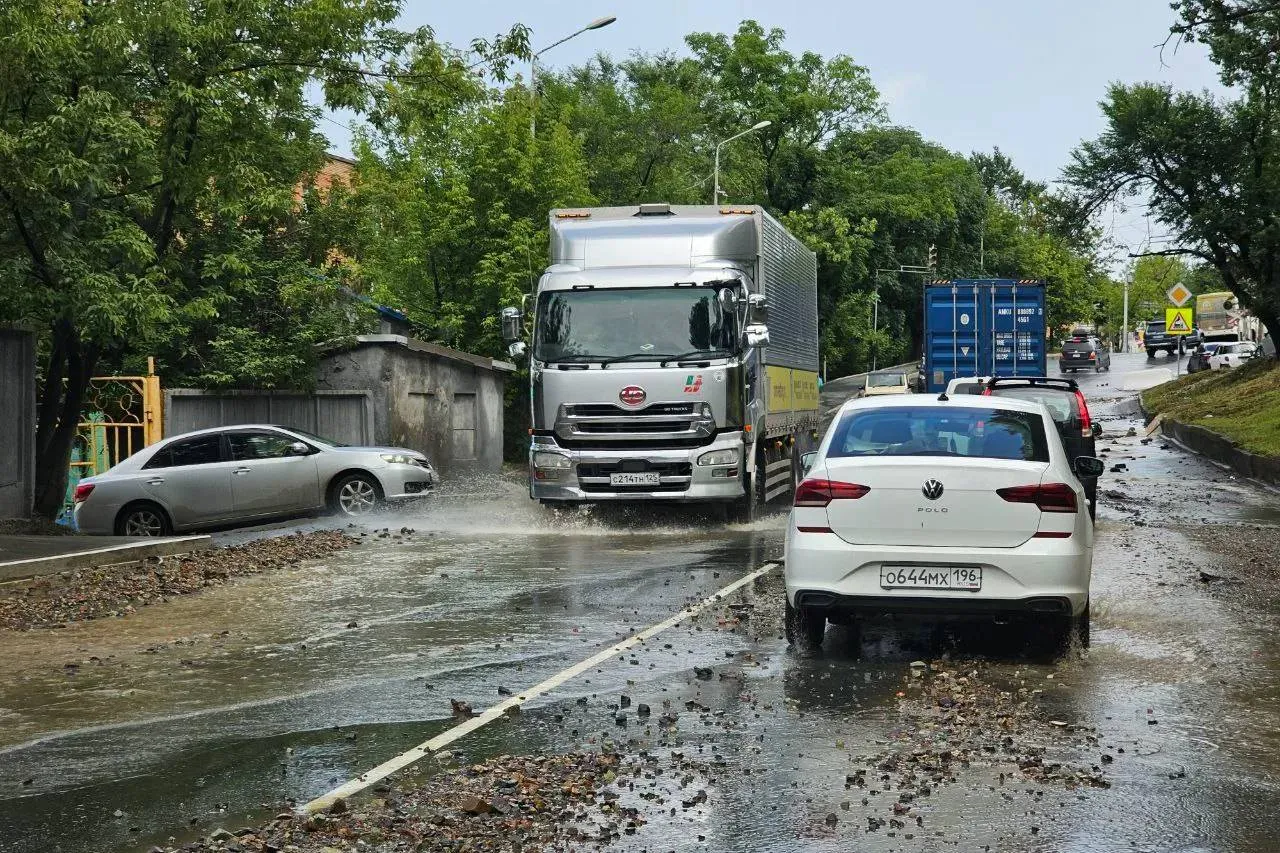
(12, 570)
(1219, 448)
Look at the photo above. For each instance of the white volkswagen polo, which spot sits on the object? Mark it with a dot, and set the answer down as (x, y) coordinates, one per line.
(933, 505)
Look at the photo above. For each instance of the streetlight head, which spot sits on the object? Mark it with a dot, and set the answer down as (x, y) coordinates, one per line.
(761, 125)
(602, 22)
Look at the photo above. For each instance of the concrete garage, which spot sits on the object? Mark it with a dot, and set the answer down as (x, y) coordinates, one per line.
(441, 401)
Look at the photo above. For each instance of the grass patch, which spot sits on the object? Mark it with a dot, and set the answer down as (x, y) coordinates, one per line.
(1243, 404)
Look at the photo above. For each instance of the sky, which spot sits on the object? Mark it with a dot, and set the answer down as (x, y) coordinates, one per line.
(1021, 75)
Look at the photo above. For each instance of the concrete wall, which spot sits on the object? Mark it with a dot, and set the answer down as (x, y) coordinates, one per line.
(17, 422)
(445, 403)
(346, 416)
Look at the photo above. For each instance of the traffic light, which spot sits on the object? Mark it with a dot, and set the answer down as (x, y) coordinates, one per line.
(933, 257)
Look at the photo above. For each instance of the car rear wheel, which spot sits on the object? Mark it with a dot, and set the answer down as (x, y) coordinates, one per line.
(355, 494)
(805, 626)
(143, 518)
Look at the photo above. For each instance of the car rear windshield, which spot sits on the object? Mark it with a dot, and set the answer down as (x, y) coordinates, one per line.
(885, 380)
(982, 432)
(1062, 403)
(1083, 345)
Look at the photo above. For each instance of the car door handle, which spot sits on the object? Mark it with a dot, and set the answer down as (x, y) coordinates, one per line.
(156, 481)
(242, 471)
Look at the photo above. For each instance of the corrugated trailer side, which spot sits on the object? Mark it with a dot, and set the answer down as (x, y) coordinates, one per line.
(789, 278)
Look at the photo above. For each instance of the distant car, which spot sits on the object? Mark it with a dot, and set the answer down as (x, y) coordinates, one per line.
(879, 384)
(963, 506)
(1199, 360)
(967, 385)
(241, 474)
(1084, 352)
(1227, 356)
(1157, 338)
(1070, 411)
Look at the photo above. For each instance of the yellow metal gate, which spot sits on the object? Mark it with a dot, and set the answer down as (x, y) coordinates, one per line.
(124, 416)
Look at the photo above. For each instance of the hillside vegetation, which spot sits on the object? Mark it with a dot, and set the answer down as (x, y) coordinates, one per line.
(1242, 404)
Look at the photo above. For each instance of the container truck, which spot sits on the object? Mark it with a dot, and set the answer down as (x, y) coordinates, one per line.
(673, 357)
(983, 327)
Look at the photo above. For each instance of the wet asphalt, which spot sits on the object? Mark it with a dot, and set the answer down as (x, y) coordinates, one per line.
(209, 710)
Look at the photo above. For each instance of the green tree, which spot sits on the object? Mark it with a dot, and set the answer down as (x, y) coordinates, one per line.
(149, 153)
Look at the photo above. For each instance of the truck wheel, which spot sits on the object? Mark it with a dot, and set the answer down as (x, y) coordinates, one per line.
(750, 506)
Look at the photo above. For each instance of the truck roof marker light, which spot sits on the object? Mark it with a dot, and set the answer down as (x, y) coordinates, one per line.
(573, 214)
(747, 428)
(730, 211)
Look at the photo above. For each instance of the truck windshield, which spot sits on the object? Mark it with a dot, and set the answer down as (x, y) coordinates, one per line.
(586, 325)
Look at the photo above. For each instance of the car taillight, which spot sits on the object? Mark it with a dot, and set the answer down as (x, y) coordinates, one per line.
(1049, 497)
(823, 492)
(82, 492)
(1086, 423)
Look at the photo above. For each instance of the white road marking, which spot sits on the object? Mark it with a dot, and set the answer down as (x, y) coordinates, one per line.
(497, 712)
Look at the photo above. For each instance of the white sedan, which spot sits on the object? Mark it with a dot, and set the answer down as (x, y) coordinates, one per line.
(962, 506)
(1227, 356)
(244, 474)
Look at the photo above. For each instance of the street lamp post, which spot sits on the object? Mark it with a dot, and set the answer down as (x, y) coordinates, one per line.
(715, 192)
(533, 68)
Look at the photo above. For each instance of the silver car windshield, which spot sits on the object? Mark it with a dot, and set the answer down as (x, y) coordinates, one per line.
(585, 325)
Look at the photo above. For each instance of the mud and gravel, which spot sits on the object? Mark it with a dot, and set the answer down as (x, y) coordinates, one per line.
(116, 591)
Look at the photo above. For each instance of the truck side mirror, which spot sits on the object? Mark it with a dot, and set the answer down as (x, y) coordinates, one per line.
(756, 335)
(758, 304)
(512, 325)
(517, 349)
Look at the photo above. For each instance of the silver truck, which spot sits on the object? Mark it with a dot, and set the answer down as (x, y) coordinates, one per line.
(674, 357)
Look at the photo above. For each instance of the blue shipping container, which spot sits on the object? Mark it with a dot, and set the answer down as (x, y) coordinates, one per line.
(983, 327)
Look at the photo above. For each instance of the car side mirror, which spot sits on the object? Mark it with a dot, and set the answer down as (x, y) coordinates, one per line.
(299, 449)
(806, 461)
(1089, 466)
(1097, 431)
(512, 324)
(756, 335)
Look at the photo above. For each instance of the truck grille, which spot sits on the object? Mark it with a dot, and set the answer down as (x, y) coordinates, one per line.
(674, 476)
(604, 425)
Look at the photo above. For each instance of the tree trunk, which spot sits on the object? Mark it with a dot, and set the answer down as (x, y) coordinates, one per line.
(66, 381)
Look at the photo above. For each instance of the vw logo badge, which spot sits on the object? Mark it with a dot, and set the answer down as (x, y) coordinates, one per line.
(932, 489)
(632, 395)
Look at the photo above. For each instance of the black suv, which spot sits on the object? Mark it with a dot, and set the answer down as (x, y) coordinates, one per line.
(1158, 338)
(1066, 403)
(1084, 351)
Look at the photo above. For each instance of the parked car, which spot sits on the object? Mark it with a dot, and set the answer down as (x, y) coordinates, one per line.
(1084, 351)
(1070, 411)
(967, 385)
(956, 506)
(1227, 356)
(237, 474)
(879, 384)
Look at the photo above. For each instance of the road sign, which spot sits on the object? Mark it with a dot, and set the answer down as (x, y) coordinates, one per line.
(1178, 295)
(1177, 321)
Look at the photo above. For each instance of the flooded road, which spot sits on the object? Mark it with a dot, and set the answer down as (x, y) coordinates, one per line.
(209, 710)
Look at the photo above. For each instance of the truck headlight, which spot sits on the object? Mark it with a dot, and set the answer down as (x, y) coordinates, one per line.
(719, 457)
(543, 459)
(398, 458)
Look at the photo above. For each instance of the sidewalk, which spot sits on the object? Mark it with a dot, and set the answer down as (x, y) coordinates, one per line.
(33, 556)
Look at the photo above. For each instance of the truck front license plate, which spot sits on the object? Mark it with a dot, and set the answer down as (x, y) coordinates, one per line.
(930, 577)
(643, 478)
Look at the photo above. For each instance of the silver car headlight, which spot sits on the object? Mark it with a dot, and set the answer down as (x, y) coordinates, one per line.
(398, 458)
(719, 457)
(543, 459)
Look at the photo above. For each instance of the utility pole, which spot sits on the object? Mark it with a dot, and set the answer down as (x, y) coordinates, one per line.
(715, 191)
(929, 268)
(533, 69)
(1124, 329)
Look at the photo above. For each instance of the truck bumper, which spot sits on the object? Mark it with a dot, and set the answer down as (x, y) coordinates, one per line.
(681, 478)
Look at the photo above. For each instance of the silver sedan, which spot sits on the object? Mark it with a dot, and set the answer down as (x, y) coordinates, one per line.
(239, 474)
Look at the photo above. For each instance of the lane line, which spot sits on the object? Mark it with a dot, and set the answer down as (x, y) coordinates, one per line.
(497, 712)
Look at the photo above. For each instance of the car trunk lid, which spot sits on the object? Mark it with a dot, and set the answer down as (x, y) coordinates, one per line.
(934, 501)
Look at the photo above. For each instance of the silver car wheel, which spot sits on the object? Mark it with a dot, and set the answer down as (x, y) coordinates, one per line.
(357, 497)
(143, 522)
